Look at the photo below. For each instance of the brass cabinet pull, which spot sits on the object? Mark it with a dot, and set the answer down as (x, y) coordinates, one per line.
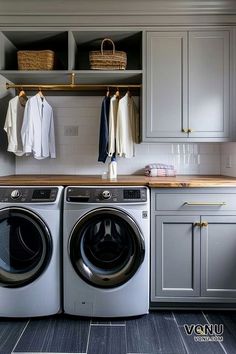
(185, 130)
(201, 224)
(204, 224)
(204, 203)
(197, 224)
(190, 130)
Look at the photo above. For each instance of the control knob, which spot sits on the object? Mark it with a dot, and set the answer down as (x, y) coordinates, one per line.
(15, 194)
(106, 195)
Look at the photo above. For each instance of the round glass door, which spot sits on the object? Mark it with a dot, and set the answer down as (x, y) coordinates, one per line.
(106, 247)
(25, 246)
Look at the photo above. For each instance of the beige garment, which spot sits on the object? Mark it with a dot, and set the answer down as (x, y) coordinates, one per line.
(127, 126)
(112, 125)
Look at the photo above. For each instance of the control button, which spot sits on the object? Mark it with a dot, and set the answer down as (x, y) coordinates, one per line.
(106, 195)
(15, 194)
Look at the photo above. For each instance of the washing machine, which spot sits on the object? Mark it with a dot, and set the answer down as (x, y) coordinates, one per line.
(30, 230)
(106, 232)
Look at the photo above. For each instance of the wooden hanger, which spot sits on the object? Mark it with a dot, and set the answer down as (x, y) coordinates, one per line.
(40, 94)
(117, 94)
(108, 92)
(22, 97)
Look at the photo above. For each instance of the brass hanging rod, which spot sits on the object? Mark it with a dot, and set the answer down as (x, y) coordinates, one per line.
(71, 87)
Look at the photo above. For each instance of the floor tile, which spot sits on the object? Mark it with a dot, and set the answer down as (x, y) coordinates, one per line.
(154, 333)
(55, 334)
(107, 340)
(191, 341)
(10, 331)
(229, 322)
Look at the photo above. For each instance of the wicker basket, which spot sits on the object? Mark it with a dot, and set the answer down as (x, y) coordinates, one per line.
(35, 59)
(107, 59)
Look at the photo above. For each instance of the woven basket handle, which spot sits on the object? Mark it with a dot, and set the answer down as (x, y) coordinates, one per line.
(108, 40)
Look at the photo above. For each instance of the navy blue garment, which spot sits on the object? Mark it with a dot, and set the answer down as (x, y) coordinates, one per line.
(104, 130)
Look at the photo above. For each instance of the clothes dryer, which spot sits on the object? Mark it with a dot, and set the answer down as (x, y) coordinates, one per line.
(30, 226)
(106, 236)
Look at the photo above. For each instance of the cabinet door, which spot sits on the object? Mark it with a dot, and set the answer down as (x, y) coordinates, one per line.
(209, 83)
(218, 257)
(175, 262)
(166, 84)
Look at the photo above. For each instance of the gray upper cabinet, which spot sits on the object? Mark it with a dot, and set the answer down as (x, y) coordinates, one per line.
(209, 84)
(188, 80)
(166, 84)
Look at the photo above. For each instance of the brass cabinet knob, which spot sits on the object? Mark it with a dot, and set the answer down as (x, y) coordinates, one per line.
(185, 130)
(190, 130)
(204, 224)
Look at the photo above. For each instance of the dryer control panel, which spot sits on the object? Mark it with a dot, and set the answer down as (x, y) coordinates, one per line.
(106, 195)
(28, 195)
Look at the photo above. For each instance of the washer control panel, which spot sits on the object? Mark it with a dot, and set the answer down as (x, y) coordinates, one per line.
(106, 195)
(28, 195)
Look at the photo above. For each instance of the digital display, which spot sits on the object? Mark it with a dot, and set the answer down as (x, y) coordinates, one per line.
(41, 194)
(132, 194)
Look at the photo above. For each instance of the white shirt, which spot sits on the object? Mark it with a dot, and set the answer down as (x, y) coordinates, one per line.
(13, 123)
(112, 125)
(38, 128)
(127, 124)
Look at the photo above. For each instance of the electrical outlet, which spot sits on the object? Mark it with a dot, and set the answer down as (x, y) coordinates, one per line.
(71, 130)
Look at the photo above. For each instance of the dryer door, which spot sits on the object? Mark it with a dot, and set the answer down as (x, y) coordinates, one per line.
(25, 246)
(106, 247)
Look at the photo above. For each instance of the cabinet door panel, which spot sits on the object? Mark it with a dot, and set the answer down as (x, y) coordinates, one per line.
(218, 249)
(209, 83)
(175, 257)
(166, 84)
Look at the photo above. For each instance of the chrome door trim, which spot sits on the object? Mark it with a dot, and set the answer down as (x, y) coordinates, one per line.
(11, 279)
(108, 279)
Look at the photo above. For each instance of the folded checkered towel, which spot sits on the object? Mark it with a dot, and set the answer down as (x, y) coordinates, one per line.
(160, 165)
(160, 172)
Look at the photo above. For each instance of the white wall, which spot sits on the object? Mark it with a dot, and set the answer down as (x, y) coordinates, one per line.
(228, 159)
(7, 160)
(78, 154)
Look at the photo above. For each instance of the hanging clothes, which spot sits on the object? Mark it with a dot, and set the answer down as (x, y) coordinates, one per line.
(12, 126)
(38, 128)
(127, 126)
(112, 125)
(104, 130)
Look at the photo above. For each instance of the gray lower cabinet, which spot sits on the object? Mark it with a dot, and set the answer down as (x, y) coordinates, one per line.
(193, 247)
(176, 256)
(218, 257)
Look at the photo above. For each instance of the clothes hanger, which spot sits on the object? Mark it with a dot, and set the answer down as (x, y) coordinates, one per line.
(117, 94)
(22, 97)
(108, 92)
(40, 94)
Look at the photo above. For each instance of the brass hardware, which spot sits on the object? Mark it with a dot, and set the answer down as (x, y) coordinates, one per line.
(190, 130)
(201, 224)
(204, 224)
(197, 224)
(72, 86)
(204, 203)
(184, 130)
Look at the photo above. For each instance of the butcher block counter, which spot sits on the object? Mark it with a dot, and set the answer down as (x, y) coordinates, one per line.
(184, 181)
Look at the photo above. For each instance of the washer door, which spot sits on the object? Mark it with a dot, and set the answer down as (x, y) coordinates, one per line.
(106, 247)
(25, 246)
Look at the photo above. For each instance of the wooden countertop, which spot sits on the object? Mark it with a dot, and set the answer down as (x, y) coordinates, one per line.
(122, 180)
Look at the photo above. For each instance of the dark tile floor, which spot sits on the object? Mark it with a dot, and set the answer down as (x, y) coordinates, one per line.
(159, 332)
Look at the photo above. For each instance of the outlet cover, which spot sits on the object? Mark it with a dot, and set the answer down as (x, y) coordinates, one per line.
(71, 130)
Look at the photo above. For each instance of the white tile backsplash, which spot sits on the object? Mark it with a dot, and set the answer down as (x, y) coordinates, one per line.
(78, 154)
